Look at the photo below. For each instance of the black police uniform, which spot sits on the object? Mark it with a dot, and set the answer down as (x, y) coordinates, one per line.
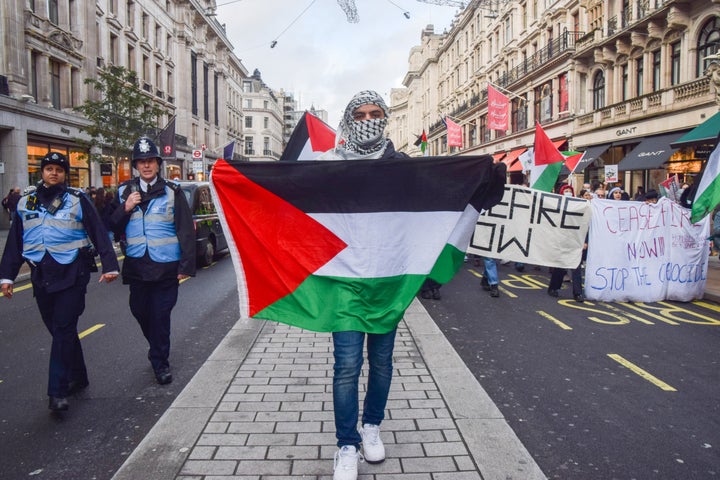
(59, 289)
(154, 285)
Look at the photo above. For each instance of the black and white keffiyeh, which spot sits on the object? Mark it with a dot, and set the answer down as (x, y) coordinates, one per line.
(366, 137)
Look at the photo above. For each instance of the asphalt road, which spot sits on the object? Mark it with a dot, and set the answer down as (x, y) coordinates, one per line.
(594, 391)
(106, 421)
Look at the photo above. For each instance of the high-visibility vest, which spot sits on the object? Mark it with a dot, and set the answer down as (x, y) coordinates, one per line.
(62, 234)
(153, 230)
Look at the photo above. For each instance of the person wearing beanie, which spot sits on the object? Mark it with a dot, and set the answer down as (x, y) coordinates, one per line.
(53, 231)
(651, 196)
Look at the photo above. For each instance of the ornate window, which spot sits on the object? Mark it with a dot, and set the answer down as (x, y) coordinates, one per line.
(598, 90)
(708, 44)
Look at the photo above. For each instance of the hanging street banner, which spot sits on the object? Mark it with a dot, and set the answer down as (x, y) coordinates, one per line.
(642, 252)
(535, 227)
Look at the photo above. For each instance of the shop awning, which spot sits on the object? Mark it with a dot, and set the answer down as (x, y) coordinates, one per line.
(706, 132)
(557, 143)
(651, 153)
(498, 156)
(591, 154)
(513, 165)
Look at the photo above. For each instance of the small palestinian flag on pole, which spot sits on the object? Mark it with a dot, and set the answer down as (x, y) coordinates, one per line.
(345, 245)
(310, 138)
(547, 162)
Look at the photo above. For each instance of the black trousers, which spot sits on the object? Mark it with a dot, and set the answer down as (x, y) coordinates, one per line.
(60, 312)
(151, 304)
(556, 279)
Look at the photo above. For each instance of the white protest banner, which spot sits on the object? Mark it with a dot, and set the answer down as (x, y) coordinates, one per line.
(535, 227)
(642, 252)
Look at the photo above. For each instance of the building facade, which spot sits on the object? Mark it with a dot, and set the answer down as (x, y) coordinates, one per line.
(618, 79)
(184, 63)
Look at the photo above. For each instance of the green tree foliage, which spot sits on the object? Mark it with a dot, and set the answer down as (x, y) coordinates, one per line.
(122, 113)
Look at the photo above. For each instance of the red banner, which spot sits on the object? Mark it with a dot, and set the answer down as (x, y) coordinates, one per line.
(497, 110)
(454, 133)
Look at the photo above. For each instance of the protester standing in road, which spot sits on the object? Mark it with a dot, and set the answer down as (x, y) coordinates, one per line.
(558, 274)
(10, 202)
(363, 130)
(53, 231)
(153, 218)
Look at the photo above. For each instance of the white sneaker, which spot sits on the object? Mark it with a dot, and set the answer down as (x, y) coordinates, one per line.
(345, 466)
(373, 448)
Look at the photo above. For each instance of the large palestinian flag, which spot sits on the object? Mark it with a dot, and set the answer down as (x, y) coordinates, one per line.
(345, 245)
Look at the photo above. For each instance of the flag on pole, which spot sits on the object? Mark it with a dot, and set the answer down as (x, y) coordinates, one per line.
(421, 142)
(166, 140)
(229, 150)
(707, 195)
(497, 110)
(547, 162)
(309, 139)
(454, 133)
(333, 245)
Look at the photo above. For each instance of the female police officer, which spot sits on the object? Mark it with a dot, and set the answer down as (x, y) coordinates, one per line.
(53, 231)
(153, 217)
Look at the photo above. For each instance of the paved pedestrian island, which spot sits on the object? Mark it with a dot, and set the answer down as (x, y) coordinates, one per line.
(261, 407)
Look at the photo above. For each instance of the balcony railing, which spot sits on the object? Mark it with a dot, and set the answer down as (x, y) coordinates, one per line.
(558, 47)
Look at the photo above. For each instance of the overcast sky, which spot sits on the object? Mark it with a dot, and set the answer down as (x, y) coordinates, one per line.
(321, 57)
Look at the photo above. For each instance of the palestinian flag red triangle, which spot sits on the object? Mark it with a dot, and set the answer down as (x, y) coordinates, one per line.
(310, 138)
(257, 215)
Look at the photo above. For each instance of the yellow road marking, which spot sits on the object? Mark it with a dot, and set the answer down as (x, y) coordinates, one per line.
(639, 371)
(507, 292)
(90, 330)
(706, 305)
(554, 320)
(477, 274)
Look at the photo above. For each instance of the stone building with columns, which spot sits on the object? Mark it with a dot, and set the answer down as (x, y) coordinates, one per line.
(184, 63)
(620, 80)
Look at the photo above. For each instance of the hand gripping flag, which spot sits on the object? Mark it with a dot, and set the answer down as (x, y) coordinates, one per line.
(310, 138)
(345, 245)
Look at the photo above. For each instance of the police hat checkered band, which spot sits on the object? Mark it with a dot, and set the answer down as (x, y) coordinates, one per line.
(55, 158)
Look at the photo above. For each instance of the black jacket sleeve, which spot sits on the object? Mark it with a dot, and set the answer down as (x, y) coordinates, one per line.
(98, 235)
(185, 231)
(12, 258)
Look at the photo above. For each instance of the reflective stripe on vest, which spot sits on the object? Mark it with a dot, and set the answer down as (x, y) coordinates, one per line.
(62, 234)
(153, 230)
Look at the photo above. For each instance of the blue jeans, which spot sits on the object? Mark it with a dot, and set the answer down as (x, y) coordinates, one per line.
(491, 271)
(348, 352)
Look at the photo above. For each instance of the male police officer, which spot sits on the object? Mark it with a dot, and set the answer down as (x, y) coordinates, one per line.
(154, 219)
(52, 232)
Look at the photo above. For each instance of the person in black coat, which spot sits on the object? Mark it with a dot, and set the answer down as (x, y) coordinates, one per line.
(54, 230)
(153, 221)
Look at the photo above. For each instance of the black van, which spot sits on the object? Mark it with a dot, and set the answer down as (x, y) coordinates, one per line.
(209, 235)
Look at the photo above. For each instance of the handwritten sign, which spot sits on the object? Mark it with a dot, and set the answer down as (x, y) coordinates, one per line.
(532, 226)
(645, 252)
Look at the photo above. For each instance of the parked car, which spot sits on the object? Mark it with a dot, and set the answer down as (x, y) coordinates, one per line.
(210, 238)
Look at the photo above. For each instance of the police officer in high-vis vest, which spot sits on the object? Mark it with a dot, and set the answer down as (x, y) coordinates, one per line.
(154, 222)
(54, 231)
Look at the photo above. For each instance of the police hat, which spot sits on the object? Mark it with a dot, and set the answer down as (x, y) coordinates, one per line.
(145, 148)
(55, 158)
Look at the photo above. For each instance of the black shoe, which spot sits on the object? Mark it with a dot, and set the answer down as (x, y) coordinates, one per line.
(426, 294)
(520, 267)
(58, 404)
(163, 377)
(553, 293)
(77, 387)
(579, 298)
(484, 283)
(494, 291)
(436, 294)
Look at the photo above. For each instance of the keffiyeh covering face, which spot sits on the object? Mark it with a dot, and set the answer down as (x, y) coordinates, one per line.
(366, 136)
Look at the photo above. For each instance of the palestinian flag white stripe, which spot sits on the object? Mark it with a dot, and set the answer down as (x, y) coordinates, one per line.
(386, 244)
